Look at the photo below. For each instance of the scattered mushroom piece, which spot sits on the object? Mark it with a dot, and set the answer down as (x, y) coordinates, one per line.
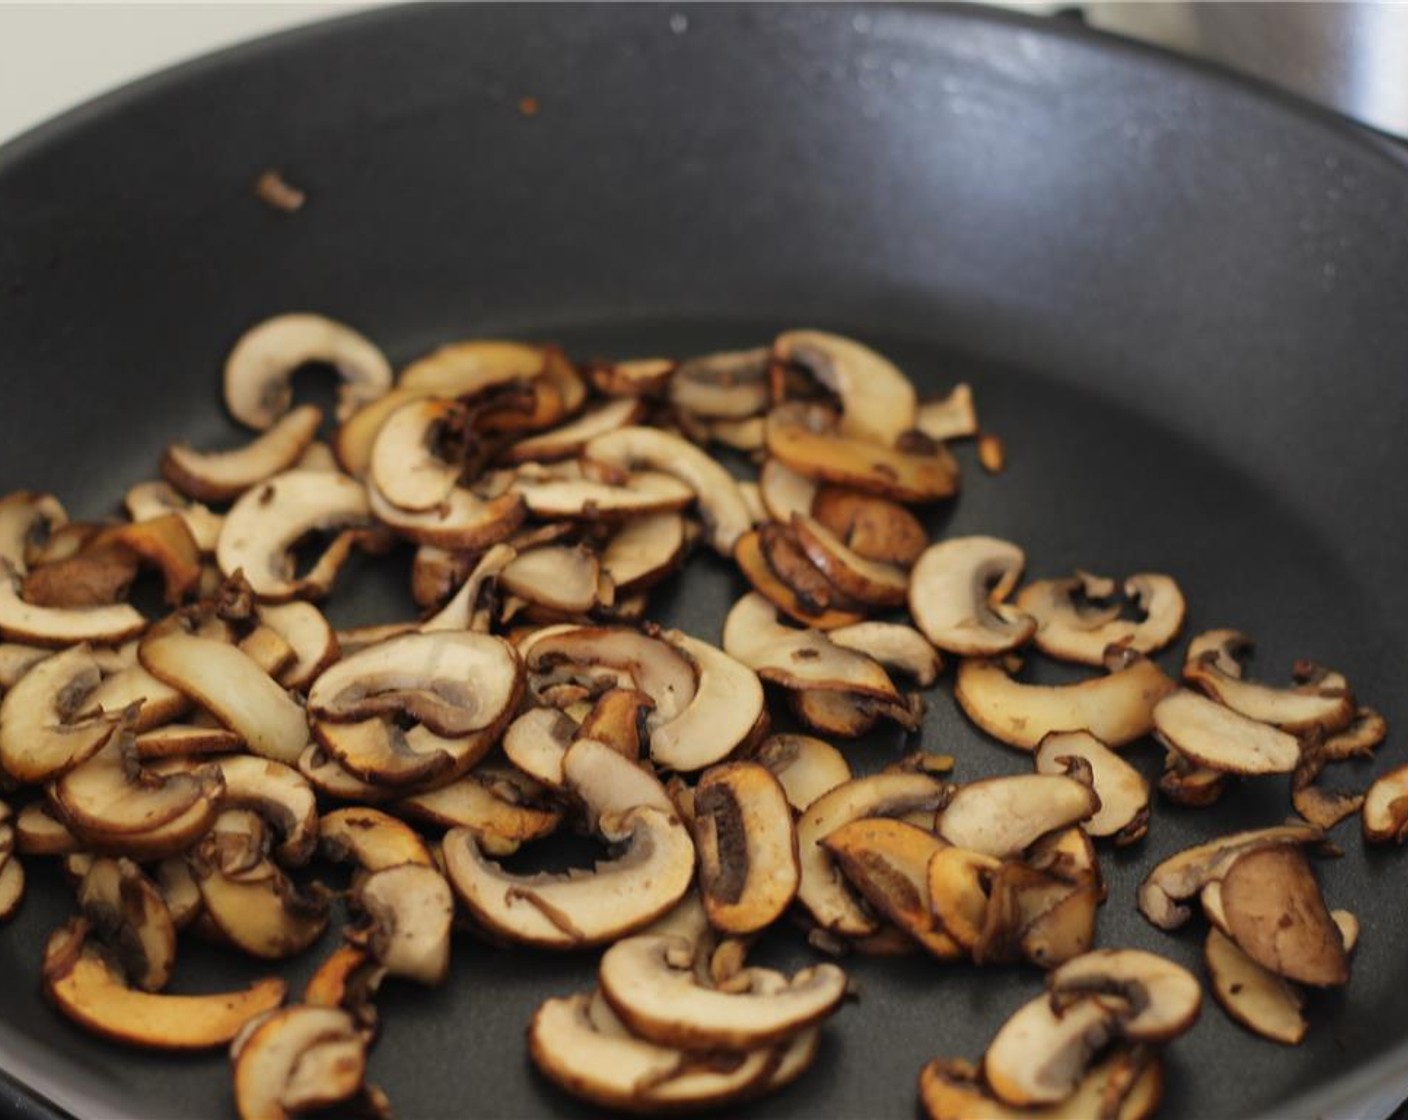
(296, 1060)
(958, 883)
(536, 741)
(62, 626)
(1001, 817)
(1126, 1085)
(308, 634)
(805, 767)
(1253, 996)
(1220, 738)
(563, 579)
(562, 490)
(408, 910)
(729, 385)
(615, 656)
(148, 501)
(898, 648)
(949, 417)
(1358, 740)
(570, 439)
(26, 517)
(1322, 807)
(130, 914)
(1123, 791)
(644, 551)
(377, 750)
(872, 582)
(785, 492)
(1040, 1055)
(1155, 999)
(956, 591)
(471, 606)
(877, 400)
(872, 527)
(1319, 699)
(499, 812)
(1385, 811)
(416, 456)
(776, 566)
(222, 475)
(462, 521)
(48, 724)
(1185, 783)
(1077, 631)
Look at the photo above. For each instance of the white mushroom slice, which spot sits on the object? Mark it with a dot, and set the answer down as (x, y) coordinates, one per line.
(1253, 996)
(1319, 699)
(407, 467)
(463, 521)
(109, 795)
(1219, 738)
(1182, 876)
(956, 592)
(159, 702)
(748, 435)
(48, 723)
(17, 659)
(1156, 1000)
(264, 360)
(748, 870)
(805, 767)
(867, 581)
(228, 684)
(468, 368)
(725, 710)
(409, 909)
(562, 491)
(950, 417)
(1040, 1055)
(26, 517)
(88, 988)
(149, 500)
(1081, 632)
(454, 683)
(1126, 1085)
(721, 506)
(731, 384)
(1117, 708)
(317, 456)
(1385, 809)
(536, 741)
(130, 914)
(561, 578)
(372, 839)
(823, 890)
(570, 439)
(298, 1059)
(1123, 791)
(616, 657)
(898, 648)
(877, 400)
(578, 910)
(62, 626)
(221, 475)
(471, 606)
(268, 521)
(649, 982)
(492, 804)
(308, 634)
(785, 492)
(644, 550)
(1002, 817)
(608, 784)
(798, 659)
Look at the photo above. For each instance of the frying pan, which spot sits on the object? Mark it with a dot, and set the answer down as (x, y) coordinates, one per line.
(1180, 299)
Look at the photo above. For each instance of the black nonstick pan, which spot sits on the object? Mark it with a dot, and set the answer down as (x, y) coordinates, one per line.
(1181, 300)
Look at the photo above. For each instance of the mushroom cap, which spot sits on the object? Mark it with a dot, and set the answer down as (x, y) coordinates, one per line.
(956, 591)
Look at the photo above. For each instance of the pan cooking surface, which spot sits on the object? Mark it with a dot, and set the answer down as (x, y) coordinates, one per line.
(1175, 299)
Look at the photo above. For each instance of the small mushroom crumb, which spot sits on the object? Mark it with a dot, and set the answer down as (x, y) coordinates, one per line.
(276, 192)
(992, 453)
(528, 106)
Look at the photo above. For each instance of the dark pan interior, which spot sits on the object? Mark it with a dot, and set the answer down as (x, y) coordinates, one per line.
(1180, 301)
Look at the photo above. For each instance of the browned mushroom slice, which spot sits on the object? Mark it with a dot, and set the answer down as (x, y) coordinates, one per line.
(949, 417)
(823, 890)
(727, 385)
(785, 492)
(1041, 1055)
(644, 550)
(308, 634)
(148, 501)
(27, 517)
(776, 566)
(536, 741)
(178, 890)
(462, 521)
(727, 709)
(618, 719)
(377, 750)
(956, 592)
(872, 582)
(408, 909)
(609, 784)
(501, 811)
(579, 910)
(650, 983)
(39, 832)
(1278, 917)
(563, 490)
(1123, 791)
(1320, 698)
(1077, 622)
(226, 682)
(129, 913)
(17, 659)
(348, 979)
(1038, 916)
(267, 649)
(840, 715)
(877, 401)
(1219, 738)
(102, 569)
(1358, 740)
(565, 580)
(805, 767)
(898, 648)
(747, 847)
(569, 440)
(472, 605)
(1126, 1085)
(872, 527)
(21, 621)
(1156, 999)
(222, 475)
(436, 573)
(1322, 807)
(1182, 876)
(297, 1060)
(1385, 812)
(959, 882)
(804, 437)
(373, 839)
(88, 987)
(887, 861)
(417, 454)
(12, 884)
(48, 723)
(612, 657)
(331, 779)
(1185, 783)
(1253, 996)
(269, 520)
(1001, 817)
(1117, 708)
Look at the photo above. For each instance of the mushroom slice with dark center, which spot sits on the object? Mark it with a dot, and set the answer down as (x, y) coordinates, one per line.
(1123, 790)
(1278, 917)
(269, 520)
(582, 909)
(377, 750)
(148, 501)
(785, 492)
(563, 490)
(805, 437)
(850, 715)
(1001, 817)
(296, 1060)
(536, 741)
(129, 913)
(226, 682)
(1253, 996)
(898, 648)
(805, 767)
(502, 810)
(887, 861)
(1076, 624)
(1156, 999)
(644, 550)
(408, 911)
(307, 633)
(1117, 708)
(949, 417)
(373, 839)
(798, 659)
(1182, 876)
(453, 683)
(222, 475)
(1385, 811)
(959, 883)
(615, 657)
(89, 988)
(570, 439)
(264, 360)
(21, 621)
(872, 527)
(774, 563)
(956, 591)
(1126, 1085)
(877, 400)
(650, 983)
(823, 889)
(563, 579)
(872, 582)
(27, 517)
(748, 870)
(48, 723)
(1040, 1055)
(729, 385)
(618, 719)
(1220, 738)
(416, 456)
(472, 605)
(1319, 699)
(726, 710)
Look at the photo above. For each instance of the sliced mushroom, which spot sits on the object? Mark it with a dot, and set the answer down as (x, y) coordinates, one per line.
(1001, 817)
(1385, 811)
(728, 385)
(618, 719)
(377, 750)
(877, 400)
(644, 550)
(1253, 996)
(1123, 791)
(408, 911)
(1319, 699)
(48, 724)
(562, 490)
(785, 492)
(1126, 1085)
(17, 659)
(774, 563)
(461, 521)
(103, 567)
(264, 360)
(898, 648)
(21, 621)
(39, 832)
(949, 417)
(727, 709)
(612, 657)
(409, 465)
(872, 527)
(89, 988)
(805, 767)
(959, 883)
(1187, 784)
(1322, 807)
(348, 978)
(872, 582)
(1072, 630)
(12, 877)
(1037, 915)
(1117, 708)
(500, 809)
(373, 839)
(179, 891)
(148, 501)
(222, 475)
(565, 580)
(471, 606)
(748, 870)
(308, 634)
(1156, 1000)
(1182, 876)
(570, 439)
(536, 741)
(1040, 1055)
(27, 517)
(1359, 740)
(956, 592)
(610, 785)
(129, 913)
(296, 1060)
(1221, 739)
